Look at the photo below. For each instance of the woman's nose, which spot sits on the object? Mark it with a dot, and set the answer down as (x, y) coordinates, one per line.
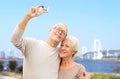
(62, 48)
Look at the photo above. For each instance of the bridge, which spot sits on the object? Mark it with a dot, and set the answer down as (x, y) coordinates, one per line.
(101, 53)
(98, 52)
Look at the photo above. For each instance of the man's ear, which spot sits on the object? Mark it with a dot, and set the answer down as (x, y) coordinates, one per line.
(50, 29)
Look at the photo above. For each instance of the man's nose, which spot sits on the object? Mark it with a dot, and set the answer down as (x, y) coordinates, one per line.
(60, 32)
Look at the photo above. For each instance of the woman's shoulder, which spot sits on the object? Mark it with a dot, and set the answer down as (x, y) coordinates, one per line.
(79, 65)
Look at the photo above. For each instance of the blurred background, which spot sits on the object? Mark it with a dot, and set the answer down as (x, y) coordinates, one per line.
(96, 23)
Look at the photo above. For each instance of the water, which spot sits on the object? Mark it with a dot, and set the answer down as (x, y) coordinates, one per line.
(98, 66)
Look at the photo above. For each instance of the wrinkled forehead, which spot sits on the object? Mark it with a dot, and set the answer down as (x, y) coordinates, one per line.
(62, 26)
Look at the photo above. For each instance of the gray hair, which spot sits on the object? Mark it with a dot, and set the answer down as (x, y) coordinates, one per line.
(60, 24)
(74, 42)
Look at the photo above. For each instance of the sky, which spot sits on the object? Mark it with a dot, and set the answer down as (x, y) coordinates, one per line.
(86, 19)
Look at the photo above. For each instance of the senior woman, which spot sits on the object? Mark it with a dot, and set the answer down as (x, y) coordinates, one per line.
(68, 68)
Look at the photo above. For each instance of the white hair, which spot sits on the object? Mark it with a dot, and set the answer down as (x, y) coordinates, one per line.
(74, 42)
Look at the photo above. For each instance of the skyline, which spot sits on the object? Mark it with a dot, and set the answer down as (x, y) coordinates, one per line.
(87, 20)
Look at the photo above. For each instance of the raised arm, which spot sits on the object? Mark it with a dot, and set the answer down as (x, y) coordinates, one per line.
(16, 37)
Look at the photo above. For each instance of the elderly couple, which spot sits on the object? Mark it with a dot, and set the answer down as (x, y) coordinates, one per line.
(43, 59)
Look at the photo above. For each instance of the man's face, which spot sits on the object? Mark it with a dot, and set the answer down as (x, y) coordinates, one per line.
(59, 32)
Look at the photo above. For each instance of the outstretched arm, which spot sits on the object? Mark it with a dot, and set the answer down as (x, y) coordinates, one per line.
(16, 37)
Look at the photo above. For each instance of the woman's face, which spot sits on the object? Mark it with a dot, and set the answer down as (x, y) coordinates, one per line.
(66, 49)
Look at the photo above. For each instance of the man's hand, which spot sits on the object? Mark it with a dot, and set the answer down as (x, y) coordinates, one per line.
(87, 76)
(35, 11)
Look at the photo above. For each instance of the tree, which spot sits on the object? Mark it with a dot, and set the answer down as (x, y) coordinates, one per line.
(20, 69)
(1, 66)
(12, 65)
(116, 69)
(118, 57)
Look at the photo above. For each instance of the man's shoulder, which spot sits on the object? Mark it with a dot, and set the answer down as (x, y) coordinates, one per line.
(34, 40)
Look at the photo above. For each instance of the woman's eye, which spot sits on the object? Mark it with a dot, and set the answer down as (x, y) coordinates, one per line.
(61, 44)
(66, 46)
